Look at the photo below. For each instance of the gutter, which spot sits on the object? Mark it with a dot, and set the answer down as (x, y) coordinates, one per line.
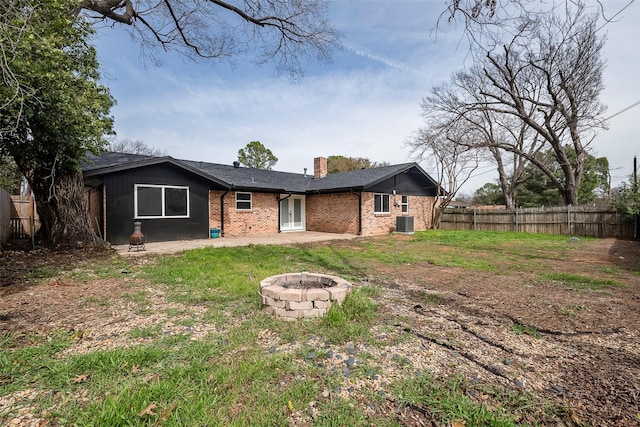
(222, 210)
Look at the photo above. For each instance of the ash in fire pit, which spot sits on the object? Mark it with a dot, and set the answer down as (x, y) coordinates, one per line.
(296, 295)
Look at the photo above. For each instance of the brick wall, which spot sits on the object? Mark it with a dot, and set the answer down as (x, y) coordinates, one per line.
(420, 208)
(332, 213)
(261, 219)
(328, 213)
(376, 223)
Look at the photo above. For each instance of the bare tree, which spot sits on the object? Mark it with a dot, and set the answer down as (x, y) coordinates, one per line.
(485, 21)
(456, 104)
(452, 162)
(138, 146)
(284, 31)
(537, 92)
(550, 76)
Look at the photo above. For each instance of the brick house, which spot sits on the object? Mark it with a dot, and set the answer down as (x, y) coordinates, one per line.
(181, 199)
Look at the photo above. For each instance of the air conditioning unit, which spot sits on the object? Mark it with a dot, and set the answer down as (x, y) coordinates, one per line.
(404, 224)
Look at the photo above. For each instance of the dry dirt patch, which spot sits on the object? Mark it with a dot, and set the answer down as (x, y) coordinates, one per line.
(574, 347)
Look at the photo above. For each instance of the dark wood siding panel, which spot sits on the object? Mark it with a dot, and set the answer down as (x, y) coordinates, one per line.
(120, 205)
(94, 200)
(411, 182)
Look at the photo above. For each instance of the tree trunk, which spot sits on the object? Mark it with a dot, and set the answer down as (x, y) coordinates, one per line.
(64, 216)
(437, 209)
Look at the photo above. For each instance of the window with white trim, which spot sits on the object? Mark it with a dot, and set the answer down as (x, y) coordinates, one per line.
(243, 201)
(404, 203)
(161, 201)
(381, 203)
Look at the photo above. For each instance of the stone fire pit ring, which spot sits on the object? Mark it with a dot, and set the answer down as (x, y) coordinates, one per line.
(302, 295)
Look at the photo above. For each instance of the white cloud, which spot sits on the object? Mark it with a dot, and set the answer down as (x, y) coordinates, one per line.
(365, 104)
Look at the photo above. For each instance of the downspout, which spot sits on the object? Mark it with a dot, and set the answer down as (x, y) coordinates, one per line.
(359, 210)
(222, 211)
(279, 208)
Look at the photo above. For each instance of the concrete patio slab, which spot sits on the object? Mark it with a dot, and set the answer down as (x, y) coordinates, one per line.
(228, 241)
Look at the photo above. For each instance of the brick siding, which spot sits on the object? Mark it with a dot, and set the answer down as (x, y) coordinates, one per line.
(333, 213)
(261, 219)
(420, 208)
(376, 223)
(328, 213)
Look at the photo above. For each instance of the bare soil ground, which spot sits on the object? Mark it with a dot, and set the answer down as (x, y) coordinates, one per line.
(578, 348)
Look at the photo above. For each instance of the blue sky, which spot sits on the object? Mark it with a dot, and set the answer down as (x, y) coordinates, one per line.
(365, 103)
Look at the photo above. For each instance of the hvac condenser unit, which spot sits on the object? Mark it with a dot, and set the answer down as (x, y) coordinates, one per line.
(404, 224)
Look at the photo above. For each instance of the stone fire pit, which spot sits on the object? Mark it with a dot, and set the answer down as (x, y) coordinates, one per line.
(302, 295)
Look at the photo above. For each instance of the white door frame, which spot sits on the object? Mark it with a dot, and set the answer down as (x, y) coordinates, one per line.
(288, 219)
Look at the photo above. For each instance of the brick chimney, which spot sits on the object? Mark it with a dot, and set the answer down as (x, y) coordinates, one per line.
(320, 167)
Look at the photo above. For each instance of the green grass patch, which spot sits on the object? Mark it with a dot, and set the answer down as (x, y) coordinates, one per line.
(340, 412)
(577, 281)
(139, 332)
(352, 319)
(253, 369)
(100, 268)
(99, 301)
(140, 297)
(519, 329)
(489, 251)
(431, 298)
(447, 401)
(455, 399)
(573, 309)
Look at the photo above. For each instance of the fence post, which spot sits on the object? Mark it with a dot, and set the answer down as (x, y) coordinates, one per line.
(475, 227)
(569, 219)
(515, 228)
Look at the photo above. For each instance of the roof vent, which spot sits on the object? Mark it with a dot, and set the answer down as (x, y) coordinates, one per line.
(236, 164)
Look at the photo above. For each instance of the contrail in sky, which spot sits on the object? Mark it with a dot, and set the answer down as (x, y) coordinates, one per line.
(370, 55)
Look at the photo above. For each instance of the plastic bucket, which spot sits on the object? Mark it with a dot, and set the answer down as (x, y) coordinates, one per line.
(214, 233)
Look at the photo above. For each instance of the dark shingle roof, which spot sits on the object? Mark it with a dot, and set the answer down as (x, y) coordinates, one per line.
(112, 160)
(361, 178)
(250, 178)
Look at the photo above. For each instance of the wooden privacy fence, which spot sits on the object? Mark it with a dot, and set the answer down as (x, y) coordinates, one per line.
(565, 220)
(24, 217)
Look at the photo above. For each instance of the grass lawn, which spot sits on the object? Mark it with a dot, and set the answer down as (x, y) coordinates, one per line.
(211, 357)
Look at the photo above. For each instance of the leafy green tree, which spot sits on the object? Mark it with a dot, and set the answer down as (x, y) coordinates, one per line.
(343, 163)
(59, 114)
(538, 189)
(596, 180)
(626, 199)
(256, 155)
(10, 176)
(488, 194)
